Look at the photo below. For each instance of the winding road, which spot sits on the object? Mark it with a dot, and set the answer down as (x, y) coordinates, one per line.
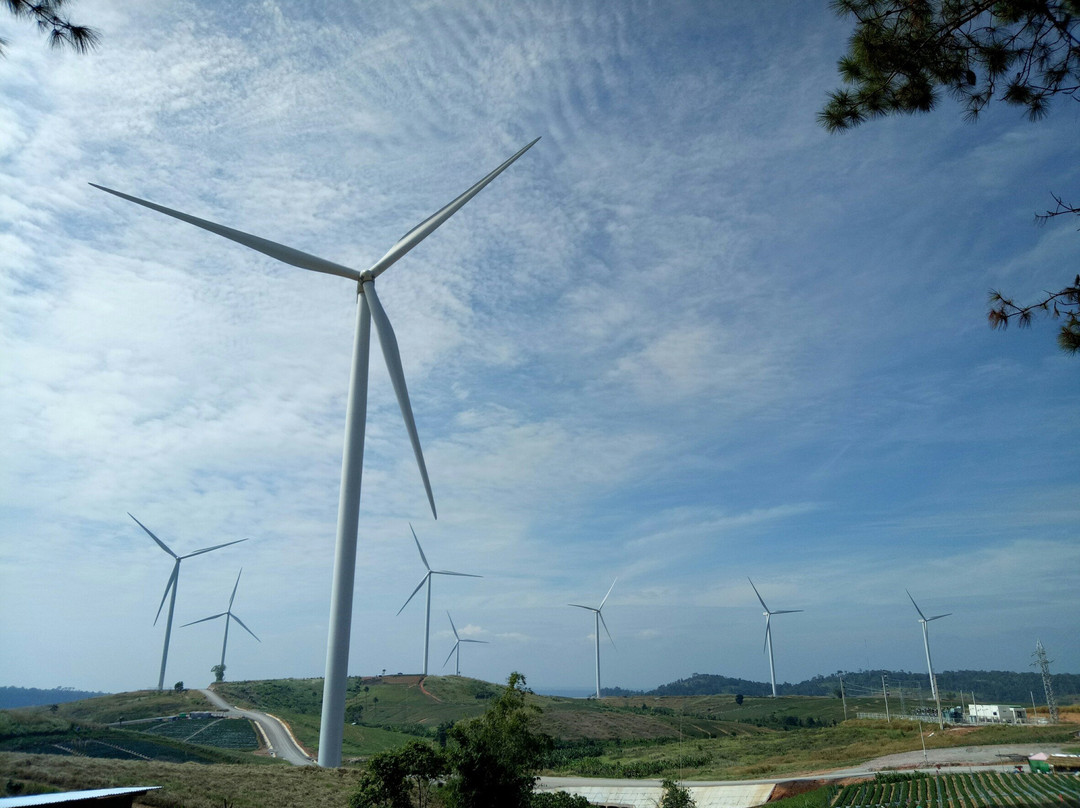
(277, 733)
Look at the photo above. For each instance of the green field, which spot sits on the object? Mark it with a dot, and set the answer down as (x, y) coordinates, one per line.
(976, 790)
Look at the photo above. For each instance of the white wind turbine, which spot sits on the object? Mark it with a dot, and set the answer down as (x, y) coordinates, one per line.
(457, 648)
(599, 620)
(427, 579)
(368, 310)
(768, 633)
(228, 615)
(174, 579)
(929, 665)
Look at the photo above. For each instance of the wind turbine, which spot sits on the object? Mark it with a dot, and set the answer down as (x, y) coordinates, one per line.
(768, 633)
(174, 579)
(457, 648)
(929, 665)
(368, 309)
(599, 619)
(427, 579)
(228, 615)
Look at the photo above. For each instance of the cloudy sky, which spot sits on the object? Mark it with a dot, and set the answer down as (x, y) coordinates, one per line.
(688, 338)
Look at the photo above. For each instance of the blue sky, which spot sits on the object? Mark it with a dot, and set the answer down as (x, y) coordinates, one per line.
(688, 338)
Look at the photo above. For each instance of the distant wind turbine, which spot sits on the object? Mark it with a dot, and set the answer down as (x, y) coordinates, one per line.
(457, 647)
(427, 580)
(228, 615)
(599, 620)
(368, 310)
(174, 579)
(768, 633)
(923, 619)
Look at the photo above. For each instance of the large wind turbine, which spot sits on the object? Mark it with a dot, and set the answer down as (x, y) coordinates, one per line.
(457, 648)
(427, 579)
(368, 309)
(228, 615)
(599, 619)
(174, 579)
(929, 665)
(768, 633)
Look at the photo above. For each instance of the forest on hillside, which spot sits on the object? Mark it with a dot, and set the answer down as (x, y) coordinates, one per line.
(1007, 687)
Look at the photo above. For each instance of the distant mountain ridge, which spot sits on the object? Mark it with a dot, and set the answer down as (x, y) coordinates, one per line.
(988, 686)
(12, 697)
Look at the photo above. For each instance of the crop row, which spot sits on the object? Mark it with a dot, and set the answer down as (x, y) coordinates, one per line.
(224, 733)
(975, 790)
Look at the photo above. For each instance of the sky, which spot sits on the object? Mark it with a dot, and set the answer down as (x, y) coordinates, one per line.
(688, 339)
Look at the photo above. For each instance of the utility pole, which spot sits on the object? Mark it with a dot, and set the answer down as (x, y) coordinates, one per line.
(843, 698)
(885, 693)
(1044, 667)
(1034, 709)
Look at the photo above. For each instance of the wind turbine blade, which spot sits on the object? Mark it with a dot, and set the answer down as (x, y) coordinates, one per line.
(484, 642)
(241, 622)
(168, 586)
(456, 637)
(211, 549)
(763, 606)
(212, 617)
(765, 645)
(787, 611)
(459, 574)
(160, 543)
(406, 603)
(421, 549)
(601, 615)
(608, 593)
(389, 345)
(279, 251)
(451, 653)
(233, 596)
(426, 227)
(916, 605)
(589, 608)
(937, 617)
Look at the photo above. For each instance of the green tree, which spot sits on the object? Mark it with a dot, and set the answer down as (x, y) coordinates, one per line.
(219, 673)
(178, 687)
(675, 796)
(904, 54)
(393, 778)
(47, 15)
(738, 698)
(496, 757)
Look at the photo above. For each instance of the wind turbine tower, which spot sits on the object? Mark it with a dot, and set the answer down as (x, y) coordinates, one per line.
(170, 587)
(768, 633)
(368, 310)
(427, 579)
(923, 619)
(599, 619)
(228, 615)
(457, 647)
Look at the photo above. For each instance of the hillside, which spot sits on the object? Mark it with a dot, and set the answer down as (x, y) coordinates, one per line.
(1009, 687)
(13, 697)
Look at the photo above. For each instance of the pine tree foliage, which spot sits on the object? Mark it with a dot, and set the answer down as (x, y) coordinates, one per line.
(904, 53)
(50, 20)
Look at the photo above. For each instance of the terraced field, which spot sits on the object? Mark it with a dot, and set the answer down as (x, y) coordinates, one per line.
(975, 790)
(223, 733)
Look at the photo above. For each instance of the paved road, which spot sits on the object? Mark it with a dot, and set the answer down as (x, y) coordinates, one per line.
(282, 742)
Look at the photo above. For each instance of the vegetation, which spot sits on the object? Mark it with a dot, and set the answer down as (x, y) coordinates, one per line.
(1007, 687)
(904, 53)
(47, 16)
(977, 790)
(675, 796)
(12, 697)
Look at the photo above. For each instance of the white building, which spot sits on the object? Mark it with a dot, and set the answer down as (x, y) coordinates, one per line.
(996, 714)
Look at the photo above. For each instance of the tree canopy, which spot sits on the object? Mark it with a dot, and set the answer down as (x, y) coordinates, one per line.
(904, 54)
(48, 16)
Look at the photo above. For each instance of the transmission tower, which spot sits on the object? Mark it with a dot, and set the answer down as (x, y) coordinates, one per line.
(1044, 666)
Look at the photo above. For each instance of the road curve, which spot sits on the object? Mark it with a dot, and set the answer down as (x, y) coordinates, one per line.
(282, 742)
